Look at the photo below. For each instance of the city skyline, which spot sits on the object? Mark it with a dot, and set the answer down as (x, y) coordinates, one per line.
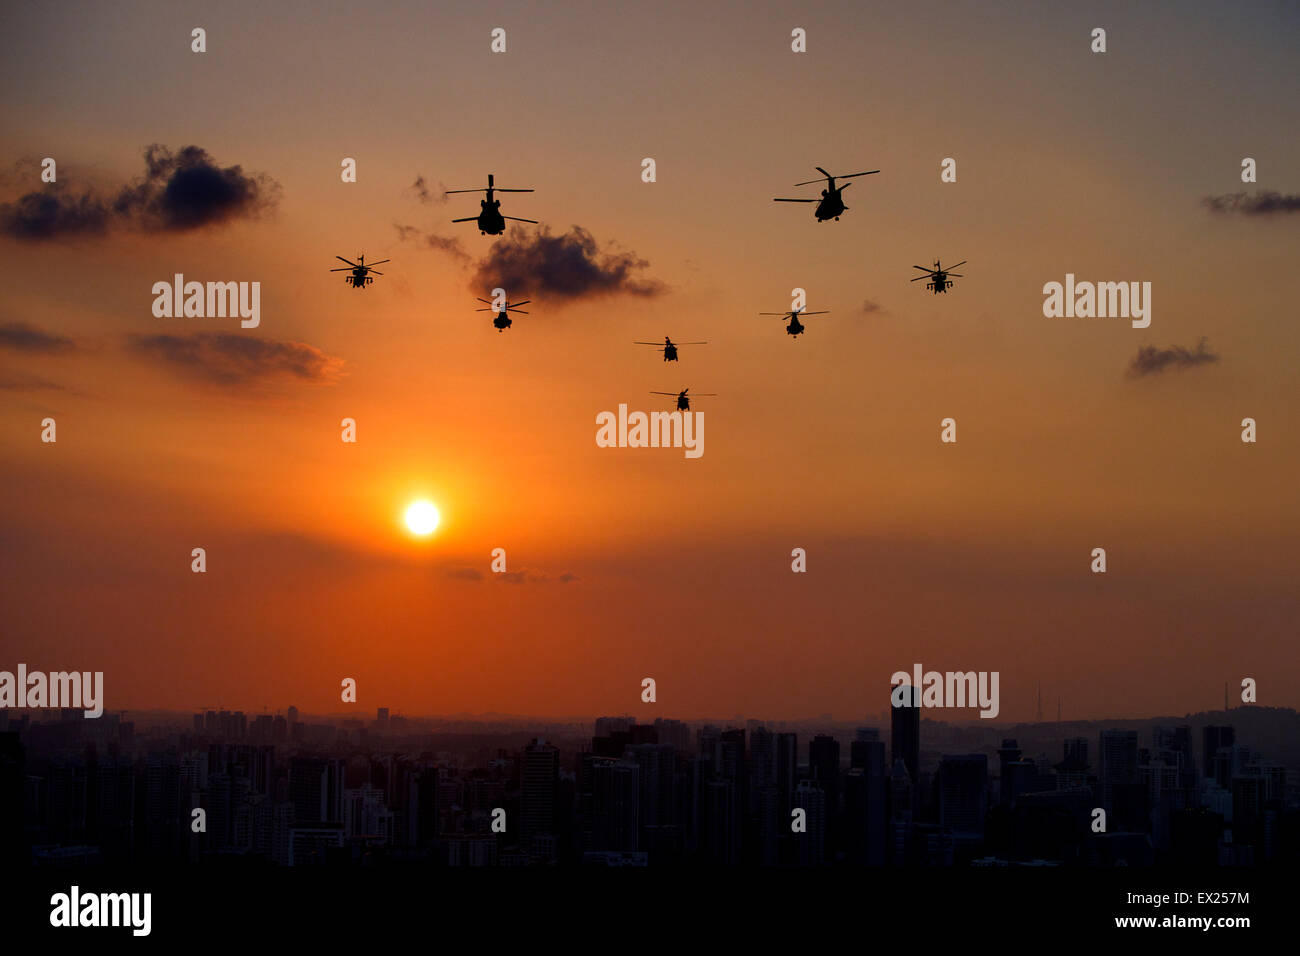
(1073, 434)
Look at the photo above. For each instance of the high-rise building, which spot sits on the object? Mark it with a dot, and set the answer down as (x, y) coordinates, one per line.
(1212, 740)
(905, 728)
(811, 844)
(1118, 764)
(824, 767)
(963, 794)
(539, 781)
(316, 790)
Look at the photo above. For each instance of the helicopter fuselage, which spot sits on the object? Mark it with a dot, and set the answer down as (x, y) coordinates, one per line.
(490, 220)
(502, 321)
(795, 327)
(683, 403)
(670, 353)
(358, 278)
(831, 205)
(939, 283)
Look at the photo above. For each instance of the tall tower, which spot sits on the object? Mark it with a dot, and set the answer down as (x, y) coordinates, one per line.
(905, 729)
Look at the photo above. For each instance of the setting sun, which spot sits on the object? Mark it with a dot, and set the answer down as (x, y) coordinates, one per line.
(422, 517)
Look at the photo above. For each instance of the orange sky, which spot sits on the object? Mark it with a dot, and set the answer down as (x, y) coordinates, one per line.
(966, 556)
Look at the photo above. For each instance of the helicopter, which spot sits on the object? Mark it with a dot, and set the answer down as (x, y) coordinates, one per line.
(490, 221)
(360, 277)
(795, 327)
(684, 400)
(938, 276)
(502, 321)
(831, 204)
(669, 348)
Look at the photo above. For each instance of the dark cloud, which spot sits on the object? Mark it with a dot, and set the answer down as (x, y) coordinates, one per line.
(178, 192)
(436, 195)
(27, 338)
(465, 574)
(54, 214)
(1265, 203)
(29, 383)
(227, 358)
(1151, 360)
(450, 246)
(869, 308)
(533, 576)
(571, 266)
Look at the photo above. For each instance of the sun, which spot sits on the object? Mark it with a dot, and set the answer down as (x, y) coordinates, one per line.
(422, 518)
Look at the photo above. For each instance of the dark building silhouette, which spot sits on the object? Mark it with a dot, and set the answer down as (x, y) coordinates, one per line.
(1213, 739)
(905, 728)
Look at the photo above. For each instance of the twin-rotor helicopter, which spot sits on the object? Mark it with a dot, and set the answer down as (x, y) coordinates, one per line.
(669, 347)
(490, 220)
(831, 205)
(501, 319)
(795, 327)
(683, 399)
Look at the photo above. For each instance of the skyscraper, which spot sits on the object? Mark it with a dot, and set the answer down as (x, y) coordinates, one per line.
(1118, 756)
(905, 728)
(539, 779)
(963, 794)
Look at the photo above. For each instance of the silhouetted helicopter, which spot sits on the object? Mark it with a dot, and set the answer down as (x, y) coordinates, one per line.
(795, 327)
(502, 321)
(683, 400)
(490, 221)
(938, 276)
(669, 348)
(360, 277)
(831, 204)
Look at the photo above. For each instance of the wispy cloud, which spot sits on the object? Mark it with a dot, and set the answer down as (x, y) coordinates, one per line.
(1265, 203)
(1152, 361)
(23, 337)
(230, 359)
(429, 195)
(447, 244)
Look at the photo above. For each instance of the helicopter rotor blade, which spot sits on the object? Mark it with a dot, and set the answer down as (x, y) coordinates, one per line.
(794, 200)
(957, 274)
(501, 190)
(520, 311)
(822, 312)
(525, 302)
(690, 343)
(379, 263)
(781, 314)
(962, 263)
(673, 394)
(517, 219)
(924, 269)
(340, 270)
(484, 301)
(919, 278)
(376, 272)
(467, 219)
(656, 344)
(348, 261)
(451, 191)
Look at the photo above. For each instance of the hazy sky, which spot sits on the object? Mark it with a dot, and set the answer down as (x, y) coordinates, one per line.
(971, 556)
